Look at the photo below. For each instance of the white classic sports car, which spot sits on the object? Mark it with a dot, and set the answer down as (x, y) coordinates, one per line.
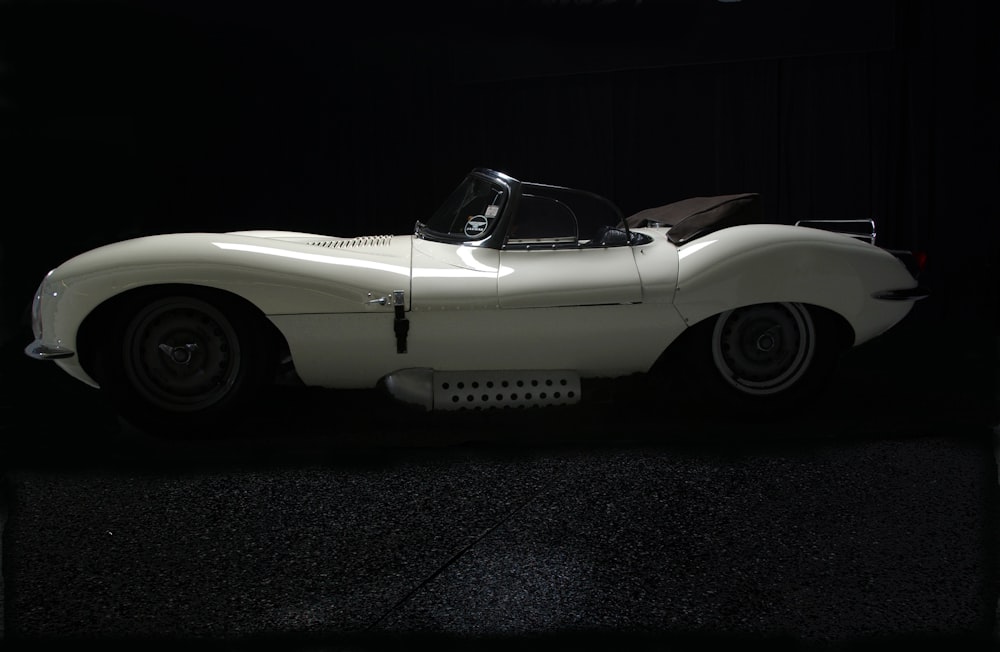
(511, 294)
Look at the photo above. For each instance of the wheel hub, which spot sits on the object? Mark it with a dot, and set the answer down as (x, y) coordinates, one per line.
(763, 349)
(179, 354)
(766, 342)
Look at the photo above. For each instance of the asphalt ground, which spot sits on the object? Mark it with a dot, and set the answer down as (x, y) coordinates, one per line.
(338, 521)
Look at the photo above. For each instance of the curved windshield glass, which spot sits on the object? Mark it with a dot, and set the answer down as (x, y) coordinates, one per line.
(470, 211)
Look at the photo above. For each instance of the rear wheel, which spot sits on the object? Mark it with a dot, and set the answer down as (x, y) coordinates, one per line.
(767, 357)
(183, 360)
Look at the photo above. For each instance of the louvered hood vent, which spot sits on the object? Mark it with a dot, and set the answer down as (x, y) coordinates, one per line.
(368, 241)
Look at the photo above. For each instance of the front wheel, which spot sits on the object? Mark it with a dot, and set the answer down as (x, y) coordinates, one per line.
(174, 362)
(767, 357)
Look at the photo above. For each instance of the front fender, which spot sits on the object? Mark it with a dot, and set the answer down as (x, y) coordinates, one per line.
(765, 263)
(277, 276)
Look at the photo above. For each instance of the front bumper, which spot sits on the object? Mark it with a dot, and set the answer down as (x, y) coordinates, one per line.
(40, 351)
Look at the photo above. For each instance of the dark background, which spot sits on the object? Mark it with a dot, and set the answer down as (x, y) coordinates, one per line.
(134, 117)
(128, 118)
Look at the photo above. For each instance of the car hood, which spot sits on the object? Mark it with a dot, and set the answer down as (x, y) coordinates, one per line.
(281, 272)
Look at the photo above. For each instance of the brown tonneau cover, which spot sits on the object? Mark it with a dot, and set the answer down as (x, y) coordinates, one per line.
(697, 216)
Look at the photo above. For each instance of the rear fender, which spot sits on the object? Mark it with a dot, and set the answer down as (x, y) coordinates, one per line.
(765, 263)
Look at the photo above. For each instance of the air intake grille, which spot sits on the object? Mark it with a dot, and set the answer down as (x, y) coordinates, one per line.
(355, 243)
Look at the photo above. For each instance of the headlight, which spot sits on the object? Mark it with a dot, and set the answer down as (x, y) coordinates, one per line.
(36, 317)
(36, 308)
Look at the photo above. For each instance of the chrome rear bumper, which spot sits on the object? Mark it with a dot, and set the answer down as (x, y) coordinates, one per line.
(910, 294)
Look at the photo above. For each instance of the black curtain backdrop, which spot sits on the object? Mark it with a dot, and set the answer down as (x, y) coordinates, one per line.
(133, 117)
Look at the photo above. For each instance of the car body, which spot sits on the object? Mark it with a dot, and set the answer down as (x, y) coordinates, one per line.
(510, 294)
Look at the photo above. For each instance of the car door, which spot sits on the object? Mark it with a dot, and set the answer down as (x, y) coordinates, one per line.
(565, 295)
(550, 266)
(546, 298)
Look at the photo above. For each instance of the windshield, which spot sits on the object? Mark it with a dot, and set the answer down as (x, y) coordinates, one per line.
(470, 211)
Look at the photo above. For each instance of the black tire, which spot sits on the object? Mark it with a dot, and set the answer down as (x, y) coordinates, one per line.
(766, 358)
(179, 363)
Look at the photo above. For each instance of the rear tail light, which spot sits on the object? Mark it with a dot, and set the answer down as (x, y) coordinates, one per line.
(915, 261)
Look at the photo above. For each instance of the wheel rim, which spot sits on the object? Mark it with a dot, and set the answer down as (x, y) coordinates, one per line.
(181, 354)
(764, 349)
